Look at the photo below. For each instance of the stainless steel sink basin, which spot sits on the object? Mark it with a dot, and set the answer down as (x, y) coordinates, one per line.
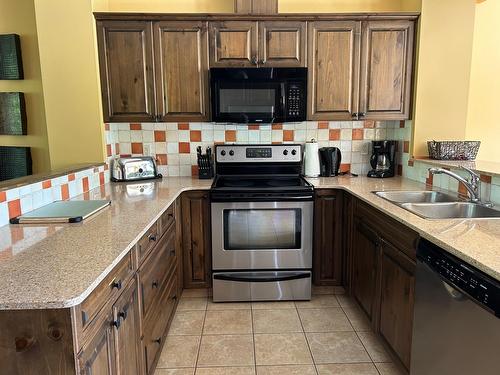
(451, 210)
(423, 196)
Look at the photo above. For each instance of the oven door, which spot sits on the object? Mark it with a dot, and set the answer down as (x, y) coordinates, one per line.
(262, 235)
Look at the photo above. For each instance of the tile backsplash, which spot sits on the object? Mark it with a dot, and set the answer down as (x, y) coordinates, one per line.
(174, 144)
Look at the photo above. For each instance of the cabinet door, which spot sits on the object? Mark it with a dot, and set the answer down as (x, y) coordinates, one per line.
(386, 69)
(126, 68)
(328, 257)
(397, 300)
(127, 331)
(365, 248)
(333, 61)
(196, 239)
(233, 43)
(181, 70)
(282, 43)
(98, 355)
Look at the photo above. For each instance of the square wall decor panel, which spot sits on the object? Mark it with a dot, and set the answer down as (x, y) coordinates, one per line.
(15, 162)
(11, 64)
(12, 113)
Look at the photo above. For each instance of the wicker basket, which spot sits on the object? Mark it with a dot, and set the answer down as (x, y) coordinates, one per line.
(453, 150)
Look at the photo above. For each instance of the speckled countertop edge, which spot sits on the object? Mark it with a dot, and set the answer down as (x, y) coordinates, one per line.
(485, 234)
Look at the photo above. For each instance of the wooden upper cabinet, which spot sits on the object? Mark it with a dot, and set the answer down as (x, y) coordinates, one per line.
(386, 72)
(233, 44)
(126, 69)
(181, 70)
(333, 69)
(256, 6)
(282, 43)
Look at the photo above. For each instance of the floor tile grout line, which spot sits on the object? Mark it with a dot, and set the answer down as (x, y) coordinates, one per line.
(201, 339)
(307, 341)
(253, 339)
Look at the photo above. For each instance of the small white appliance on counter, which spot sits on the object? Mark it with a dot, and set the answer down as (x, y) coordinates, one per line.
(311, 159)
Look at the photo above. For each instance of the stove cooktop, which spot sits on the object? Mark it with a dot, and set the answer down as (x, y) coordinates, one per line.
(260, 183)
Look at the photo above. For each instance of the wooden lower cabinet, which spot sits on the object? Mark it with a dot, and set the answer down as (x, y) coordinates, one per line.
(383, 253)
(196, 239)
(397, 295)
(327, 254)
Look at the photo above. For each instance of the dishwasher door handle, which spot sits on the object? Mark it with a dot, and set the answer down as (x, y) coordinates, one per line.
(454, 293)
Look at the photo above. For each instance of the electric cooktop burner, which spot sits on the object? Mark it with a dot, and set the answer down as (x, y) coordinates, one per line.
(260, 182)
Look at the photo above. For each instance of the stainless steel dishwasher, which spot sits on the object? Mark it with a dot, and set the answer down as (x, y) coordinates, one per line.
(456, 327)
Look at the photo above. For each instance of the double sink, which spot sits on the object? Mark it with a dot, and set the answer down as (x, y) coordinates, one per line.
(437, 205)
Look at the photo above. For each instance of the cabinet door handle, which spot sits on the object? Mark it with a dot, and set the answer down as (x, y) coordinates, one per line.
(152, 237)
(116, 323)
(362, 114)
(116, 284)
(158, 340)
(123, 314)
(154, 284)
(254, 60)
(172, 253)
(354, 116)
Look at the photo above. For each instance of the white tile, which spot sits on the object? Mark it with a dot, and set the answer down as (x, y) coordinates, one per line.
(173, 170)
(160, 147)
(369, 134)
(312, 125)
(334, 125)
(207, 135)
(301, 125)
(4, 214)
(12, 194)
(56, 193)
(172, 148)
(358, 124)
(25, 190)
(160, 126)
(242, 136)
(346, 124)
(277, 135)
(37, 199)
(311, 133)
(185, 159)
(195, 126)
(265, 136)
(47, 196)
(72, 189)
(323, 134)
(345, 134)
(254, 136)
(228, 126)
(172, 126)
(183, 136)
(335, 144)
(148, 136)
(136, 135)
(185, 170)
(125, 148)
(289, 126)
(207, 126)
(148, 125)
(300, 136)
(172, 135)
(173, 159)
(124, 135)
(123, 126)
(219, 136)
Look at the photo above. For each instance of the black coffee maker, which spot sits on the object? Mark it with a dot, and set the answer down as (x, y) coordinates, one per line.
(383, 159)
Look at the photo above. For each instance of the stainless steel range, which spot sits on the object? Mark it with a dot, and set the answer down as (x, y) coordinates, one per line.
(262, 224)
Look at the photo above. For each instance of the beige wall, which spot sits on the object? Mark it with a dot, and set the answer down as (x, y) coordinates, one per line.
(483, 111)
(164, 6)
(443, 71)
(66, 36)
(18, 17)
(337, 6)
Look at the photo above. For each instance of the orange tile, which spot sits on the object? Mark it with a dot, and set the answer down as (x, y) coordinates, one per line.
(276, 143)
(135, 126)
(160, 136)
(369, 124)
(161, 159)
(485, 178)
(3, 196)
(429, 180)
(345, 167)
(195, 135)
(86, 196)
(137, 148)
(323, 125)
(402, 124)
(253, 127)
(334, 135)
(85, 184)
(406, 147)
(64, 192)
(462, 190)
(71, 176)
(230, 135)
(184, 148)
(14, 208)
(194, 170)
(288, 135)
(117, 148)
(357, 134)
(102, 190)
(277, 126)
(183, 126)
(411, 162)
(47, 184)
(106, 126)
(106, 166)
(108, 150)
(101, 178)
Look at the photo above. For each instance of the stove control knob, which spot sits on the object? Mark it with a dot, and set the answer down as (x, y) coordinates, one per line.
(285, 152)
(231, 152)
(294, 152)
(223, 152)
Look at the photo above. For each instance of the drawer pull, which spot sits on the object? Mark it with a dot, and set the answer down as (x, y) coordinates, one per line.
(116, 323)
(172, 253)
(158, 340)
(116, 284)
(152, 237)
(174, 298)
(170, 215)
(154, 284)
(123, 314)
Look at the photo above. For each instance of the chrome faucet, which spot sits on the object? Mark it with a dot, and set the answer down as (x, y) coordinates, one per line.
(473, 185)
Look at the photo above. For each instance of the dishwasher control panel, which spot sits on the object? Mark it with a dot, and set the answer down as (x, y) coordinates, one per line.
(480, 287)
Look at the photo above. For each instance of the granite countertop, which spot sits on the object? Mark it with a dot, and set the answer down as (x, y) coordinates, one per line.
(58, 266)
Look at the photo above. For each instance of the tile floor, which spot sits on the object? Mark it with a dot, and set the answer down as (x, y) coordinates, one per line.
(328, 335)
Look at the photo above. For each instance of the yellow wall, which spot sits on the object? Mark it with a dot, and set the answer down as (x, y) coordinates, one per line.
(338, 6)
(18, 16)
(483, 112)
(66, 36)
(443, 71)
(164, 6)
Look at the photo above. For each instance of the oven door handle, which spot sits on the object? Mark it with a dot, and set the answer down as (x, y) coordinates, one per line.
(263, 278)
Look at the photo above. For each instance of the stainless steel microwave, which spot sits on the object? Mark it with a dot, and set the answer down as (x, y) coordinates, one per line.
(258, 95)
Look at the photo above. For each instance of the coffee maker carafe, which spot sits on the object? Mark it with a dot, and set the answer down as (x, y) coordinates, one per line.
(383, 159)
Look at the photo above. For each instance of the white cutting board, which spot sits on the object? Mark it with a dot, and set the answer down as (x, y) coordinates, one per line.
(62, 212)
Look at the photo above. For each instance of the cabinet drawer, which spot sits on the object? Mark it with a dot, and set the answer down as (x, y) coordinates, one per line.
(147, 242)
(108, 289)
(154, 272)
(157, 322)
(396, 233)
(166, 219)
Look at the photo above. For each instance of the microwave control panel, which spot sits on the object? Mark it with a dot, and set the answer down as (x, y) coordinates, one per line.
(295, 101)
